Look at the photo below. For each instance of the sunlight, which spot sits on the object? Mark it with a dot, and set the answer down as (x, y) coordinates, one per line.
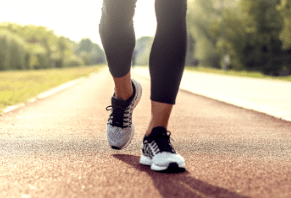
(145, 18)
(71, 18)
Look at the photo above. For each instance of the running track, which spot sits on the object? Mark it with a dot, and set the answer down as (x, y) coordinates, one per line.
(57, 147)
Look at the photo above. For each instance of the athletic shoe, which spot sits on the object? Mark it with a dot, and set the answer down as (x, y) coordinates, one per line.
(158, 152)
(120, 128)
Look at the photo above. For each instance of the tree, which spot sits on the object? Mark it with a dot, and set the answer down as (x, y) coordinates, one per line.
(62, 46)
(263, 25)
(41, 48)
(17, 53)
(285, 10)
(90, 52)
(98, 55)
(72, 59)
(85, 45)
(235, 37)
(252, 37)
(142, 50)
(4, 53)
(48, 49)
(12, 51)
(201, 15)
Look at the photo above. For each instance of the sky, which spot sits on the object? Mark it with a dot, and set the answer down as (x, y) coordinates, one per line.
(73, 19)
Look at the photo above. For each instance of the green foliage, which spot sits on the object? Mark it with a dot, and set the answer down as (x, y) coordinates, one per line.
(142, 50)
(263, 25)
(253, 33)
(18, 52)
(12, 51)
(74, 61)
(201, 14)
(256, 33)
(235, 37)
(38, 41)
(285, 10)
(261, 20)
(36, 47)
(85, 45)
(90, 52)
(4, 53)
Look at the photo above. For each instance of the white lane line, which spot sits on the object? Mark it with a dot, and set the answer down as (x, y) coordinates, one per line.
(60, 88)
(11, 108)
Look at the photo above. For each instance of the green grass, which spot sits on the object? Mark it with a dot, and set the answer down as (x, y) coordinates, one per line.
(20, 86)
(236, 73)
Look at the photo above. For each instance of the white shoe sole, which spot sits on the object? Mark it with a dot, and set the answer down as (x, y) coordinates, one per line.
(172, 165)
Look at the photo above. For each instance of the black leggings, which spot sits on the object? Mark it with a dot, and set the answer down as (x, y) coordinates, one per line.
(167, 58)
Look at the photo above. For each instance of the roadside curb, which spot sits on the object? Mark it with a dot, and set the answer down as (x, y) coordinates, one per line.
(49, 92)
(186, 86)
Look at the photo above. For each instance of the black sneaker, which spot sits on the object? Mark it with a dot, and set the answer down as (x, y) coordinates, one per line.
(158, 152)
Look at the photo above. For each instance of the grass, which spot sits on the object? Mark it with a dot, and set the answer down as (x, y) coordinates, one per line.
(237, 73)
(20, 86)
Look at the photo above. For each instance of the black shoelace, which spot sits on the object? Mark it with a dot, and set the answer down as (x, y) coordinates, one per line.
(163, 143)
(117, 116)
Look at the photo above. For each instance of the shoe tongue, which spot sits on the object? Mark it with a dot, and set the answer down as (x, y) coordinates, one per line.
(158, 131)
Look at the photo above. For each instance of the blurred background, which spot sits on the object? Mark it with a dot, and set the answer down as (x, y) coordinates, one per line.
(239, 35)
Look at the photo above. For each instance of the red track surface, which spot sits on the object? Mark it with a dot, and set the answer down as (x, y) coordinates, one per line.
(57, 147)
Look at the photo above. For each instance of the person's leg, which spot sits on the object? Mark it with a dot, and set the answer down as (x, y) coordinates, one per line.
(160, 115)
(118, 39)
(167, 59)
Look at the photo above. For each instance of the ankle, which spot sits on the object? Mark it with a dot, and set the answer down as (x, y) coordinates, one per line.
(123, 87)
(148, 132)
(124, 94)
(160, 116)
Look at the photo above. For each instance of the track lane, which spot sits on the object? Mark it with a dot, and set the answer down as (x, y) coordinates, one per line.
(57, 147)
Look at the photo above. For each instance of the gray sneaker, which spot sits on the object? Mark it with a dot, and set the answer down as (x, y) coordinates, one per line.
(120, 127)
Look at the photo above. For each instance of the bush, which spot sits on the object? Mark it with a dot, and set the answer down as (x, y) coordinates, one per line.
(73, 61)
(36, 47)
(12, 51)
(4, 53)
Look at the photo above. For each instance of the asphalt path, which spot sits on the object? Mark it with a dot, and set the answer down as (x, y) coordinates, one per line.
(268, 96)
(57, 147)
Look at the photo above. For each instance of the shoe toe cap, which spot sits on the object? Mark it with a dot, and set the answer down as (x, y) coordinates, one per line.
(118, 137)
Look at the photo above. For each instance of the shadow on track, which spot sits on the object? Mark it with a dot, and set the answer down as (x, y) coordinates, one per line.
(178, 184)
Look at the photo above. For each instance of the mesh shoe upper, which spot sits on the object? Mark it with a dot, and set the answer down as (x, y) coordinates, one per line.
(121, 115)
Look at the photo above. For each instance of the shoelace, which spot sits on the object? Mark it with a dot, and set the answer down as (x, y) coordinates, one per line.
(163, 143)
(117, 116)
